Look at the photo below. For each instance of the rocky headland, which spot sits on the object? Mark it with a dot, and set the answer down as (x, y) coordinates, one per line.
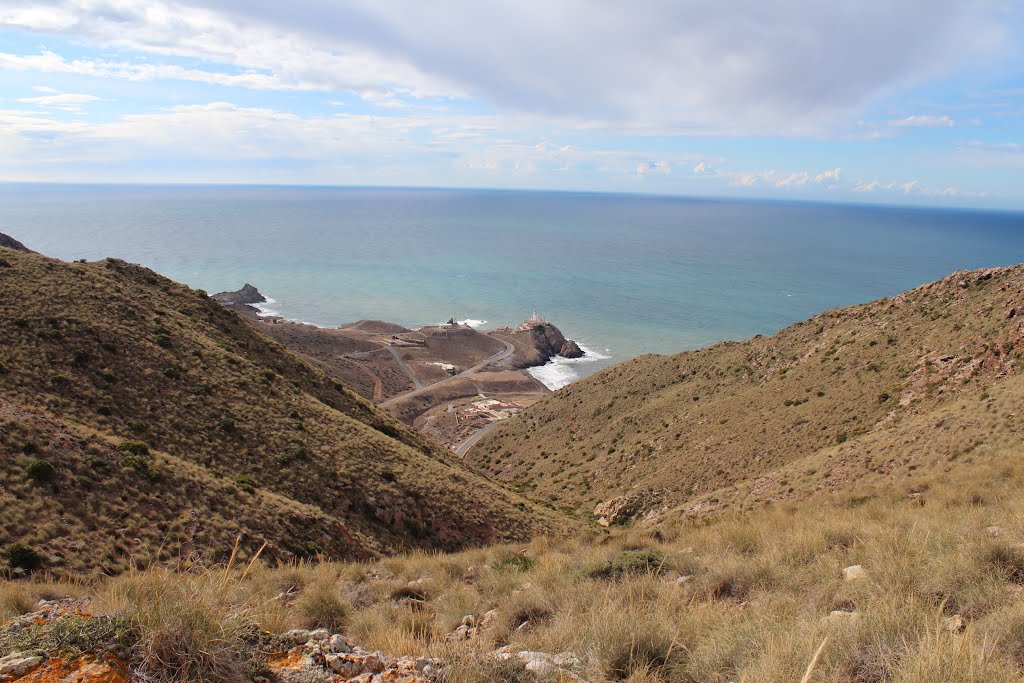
(11, 243)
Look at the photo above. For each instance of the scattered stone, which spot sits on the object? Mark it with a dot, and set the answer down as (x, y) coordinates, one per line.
(469, 620)
(994, 530)
(544, 665)
(17, 663)
(854, 573)
(683, 579)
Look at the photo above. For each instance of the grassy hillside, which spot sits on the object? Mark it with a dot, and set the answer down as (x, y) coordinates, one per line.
(114, 348)
(891, 389)
(755, 598)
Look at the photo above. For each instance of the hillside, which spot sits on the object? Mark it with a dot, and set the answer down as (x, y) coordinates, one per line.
(884, 392)
(228, 432)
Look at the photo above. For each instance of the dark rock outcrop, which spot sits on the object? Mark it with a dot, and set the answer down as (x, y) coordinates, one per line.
(246, 295)
(11, 243)
(570, 349)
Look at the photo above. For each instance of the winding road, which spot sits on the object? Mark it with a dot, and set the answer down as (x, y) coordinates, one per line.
(416, 383)
(496, 358)
(464, 447)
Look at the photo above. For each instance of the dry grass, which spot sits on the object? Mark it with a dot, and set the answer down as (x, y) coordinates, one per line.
(756, 607)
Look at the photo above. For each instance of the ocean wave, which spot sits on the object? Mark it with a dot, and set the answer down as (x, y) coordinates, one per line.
(559, 372)
(264, 310)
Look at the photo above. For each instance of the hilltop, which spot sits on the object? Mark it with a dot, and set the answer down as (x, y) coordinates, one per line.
(169, 425)
(885, 394)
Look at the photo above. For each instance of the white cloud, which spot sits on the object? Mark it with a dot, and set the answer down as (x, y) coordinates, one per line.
(700, 168)
(794, 66)
(913, 187)
(647, 167)
(833, 175)
(780, 179)
(63, 101)
(923, 122)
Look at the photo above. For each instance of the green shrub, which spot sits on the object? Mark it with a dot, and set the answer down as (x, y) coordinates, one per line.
(245, 483)
(40, 470)
(21, 556)
(514, 563)
(628, 563)
(137, 448)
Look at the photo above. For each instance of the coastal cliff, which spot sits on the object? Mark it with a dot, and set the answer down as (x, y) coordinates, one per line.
(538, 341)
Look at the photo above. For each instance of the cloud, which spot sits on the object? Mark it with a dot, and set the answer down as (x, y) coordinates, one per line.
(923, 122)
(63, 101)
(780, 179)
(648, 167)
(794, 66)
(700, 168)
(915, 187)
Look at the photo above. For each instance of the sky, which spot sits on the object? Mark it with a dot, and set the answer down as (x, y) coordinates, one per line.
(883, 101)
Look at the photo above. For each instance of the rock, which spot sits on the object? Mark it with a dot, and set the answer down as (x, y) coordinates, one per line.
(11, 243)
(319, 634)
(953, 624)
(463, 632)
(840, 617)
(246, 295)
(338, 643)
(622, 508)
(297, 636)
(17, 663)
(683, 579)
(489, 619)
(570, 349)
(469, 620)
(994, 530)
(352, 665)
(854, 573)
(544, 664)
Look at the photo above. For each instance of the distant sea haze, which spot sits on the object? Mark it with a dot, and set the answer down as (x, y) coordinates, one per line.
(622, 274)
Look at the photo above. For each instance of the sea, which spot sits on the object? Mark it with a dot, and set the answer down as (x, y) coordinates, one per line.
(622, 274)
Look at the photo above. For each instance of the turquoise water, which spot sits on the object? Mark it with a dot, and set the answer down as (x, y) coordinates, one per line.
(622, 274)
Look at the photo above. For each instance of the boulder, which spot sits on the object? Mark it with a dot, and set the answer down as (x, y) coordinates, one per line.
(854, 573)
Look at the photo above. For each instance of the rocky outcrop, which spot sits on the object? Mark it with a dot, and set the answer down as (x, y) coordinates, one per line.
(11, 243)
(246, 295)
(570, 349)
(622, 509)
(539, 341)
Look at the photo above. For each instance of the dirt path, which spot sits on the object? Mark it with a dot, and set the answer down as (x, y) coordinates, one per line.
(420, 389)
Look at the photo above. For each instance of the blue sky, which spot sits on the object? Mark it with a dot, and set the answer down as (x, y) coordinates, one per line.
(901, 101)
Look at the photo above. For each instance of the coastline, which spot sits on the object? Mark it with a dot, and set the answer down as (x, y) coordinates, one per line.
(555, 374)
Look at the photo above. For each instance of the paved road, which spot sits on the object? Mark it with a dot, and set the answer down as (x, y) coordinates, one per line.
(416, 383)
(498, 357)
(464, 447)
